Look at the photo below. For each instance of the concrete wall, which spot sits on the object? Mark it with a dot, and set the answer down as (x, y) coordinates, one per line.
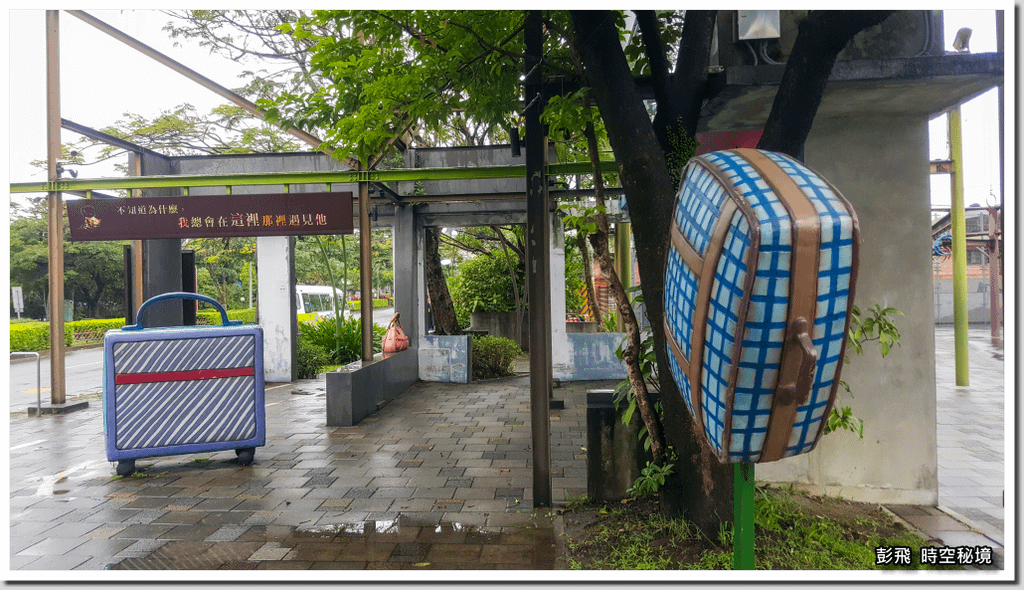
(591, 357)
(978, 301)
(446, 359)
(881, 166)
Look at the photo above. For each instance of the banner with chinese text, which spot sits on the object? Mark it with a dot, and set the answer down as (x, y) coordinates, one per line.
(210, 216)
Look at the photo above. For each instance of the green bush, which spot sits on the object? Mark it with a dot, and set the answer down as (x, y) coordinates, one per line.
(379, 302)
(311, 359)
(90, 331)
(494, 356)
(36, 336)
(484, 284)
(211, 317)
(323, 333)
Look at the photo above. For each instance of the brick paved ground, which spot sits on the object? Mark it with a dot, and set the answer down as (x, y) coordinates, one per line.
(439, 478)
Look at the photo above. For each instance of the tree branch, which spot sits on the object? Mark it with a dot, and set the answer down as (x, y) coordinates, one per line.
(820, 38)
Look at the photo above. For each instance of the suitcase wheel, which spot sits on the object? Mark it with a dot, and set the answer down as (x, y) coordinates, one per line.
(126, 467)
(245, 456)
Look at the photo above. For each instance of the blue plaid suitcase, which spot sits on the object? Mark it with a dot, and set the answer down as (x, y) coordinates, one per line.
(758, 293)
(171, 391)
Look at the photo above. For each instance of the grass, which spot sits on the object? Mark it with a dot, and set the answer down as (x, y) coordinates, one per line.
(792, 531)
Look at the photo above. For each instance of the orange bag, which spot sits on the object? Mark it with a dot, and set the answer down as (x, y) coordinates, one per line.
(395, 339)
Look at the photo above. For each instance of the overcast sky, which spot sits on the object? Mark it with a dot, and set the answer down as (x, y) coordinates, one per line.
(101, 79)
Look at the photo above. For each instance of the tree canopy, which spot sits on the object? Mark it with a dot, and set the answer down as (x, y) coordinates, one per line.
(386, 77)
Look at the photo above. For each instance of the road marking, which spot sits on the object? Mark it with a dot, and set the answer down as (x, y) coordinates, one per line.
(50, 481)
(85, 364)
(35, 442)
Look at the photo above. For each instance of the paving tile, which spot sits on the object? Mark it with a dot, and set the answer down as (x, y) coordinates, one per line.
(409, 552)
(54, 562)
(511, 554)
(101, 547)
(143, 531)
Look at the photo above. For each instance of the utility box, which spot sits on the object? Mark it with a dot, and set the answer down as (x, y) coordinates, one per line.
(758, 24)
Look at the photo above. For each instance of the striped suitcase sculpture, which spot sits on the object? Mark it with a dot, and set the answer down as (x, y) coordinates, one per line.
(758, 293)
(172, 391)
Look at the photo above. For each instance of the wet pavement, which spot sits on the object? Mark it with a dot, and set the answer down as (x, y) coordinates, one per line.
(437, 479)
(440, 478)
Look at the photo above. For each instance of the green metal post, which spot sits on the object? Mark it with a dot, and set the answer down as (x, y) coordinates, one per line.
(959, 232)
(743, 516)
(622, 266)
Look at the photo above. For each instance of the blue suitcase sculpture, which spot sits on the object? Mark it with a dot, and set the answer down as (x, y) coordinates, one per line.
(171, 391)
(758, 293)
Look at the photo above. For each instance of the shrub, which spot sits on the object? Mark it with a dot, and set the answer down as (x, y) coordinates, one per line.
(484, 284)
(211, 317)
(311, 359)
(36, 336)
(493, 356)
(379, 302)
(323, 334)
(88, 331)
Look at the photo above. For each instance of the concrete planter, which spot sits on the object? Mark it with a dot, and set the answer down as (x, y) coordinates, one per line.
(503, 324)
(361, 388)
(614, 456)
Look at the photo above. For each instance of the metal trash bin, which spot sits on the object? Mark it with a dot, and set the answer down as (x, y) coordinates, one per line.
(181, 390)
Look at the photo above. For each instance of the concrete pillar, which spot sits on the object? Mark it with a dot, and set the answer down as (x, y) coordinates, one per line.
(881, 166)
(561, 353)
(410, 284)
(161, 259)
(277, 307)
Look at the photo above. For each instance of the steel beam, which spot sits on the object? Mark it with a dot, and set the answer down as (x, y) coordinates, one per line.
(200, 79)
(109, 139)
(249, 179)
(365, 276)
(55, 210)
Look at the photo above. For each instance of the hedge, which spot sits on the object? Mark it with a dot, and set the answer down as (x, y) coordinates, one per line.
(35, 336)
(357, 304)
(207, 317)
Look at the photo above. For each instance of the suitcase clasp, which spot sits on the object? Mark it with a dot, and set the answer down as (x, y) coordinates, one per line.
(796, 375)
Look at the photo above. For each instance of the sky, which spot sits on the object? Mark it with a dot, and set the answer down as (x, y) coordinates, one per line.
(102, 79)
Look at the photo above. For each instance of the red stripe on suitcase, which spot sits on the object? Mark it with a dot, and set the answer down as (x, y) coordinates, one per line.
(129, 378)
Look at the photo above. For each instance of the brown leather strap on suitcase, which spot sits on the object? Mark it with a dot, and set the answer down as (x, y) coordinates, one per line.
(796, 368)
(704, 267)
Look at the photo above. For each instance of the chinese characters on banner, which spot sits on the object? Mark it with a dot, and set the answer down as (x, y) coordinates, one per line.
(214, 216)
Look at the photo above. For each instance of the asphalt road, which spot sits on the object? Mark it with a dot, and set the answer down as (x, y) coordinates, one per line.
(83, 373)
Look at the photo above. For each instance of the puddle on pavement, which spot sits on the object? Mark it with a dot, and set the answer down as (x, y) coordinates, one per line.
(401, 543)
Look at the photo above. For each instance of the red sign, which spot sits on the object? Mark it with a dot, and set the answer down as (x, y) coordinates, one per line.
(712, 141)
(211, 216)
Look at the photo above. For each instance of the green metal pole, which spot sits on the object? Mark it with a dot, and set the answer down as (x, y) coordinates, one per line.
(743, 516)
(622, 232)
(959, 232)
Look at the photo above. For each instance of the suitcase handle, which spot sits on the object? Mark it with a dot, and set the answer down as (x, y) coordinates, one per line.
(180, 295)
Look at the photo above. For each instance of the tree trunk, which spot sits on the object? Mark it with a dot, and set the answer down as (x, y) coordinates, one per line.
(445, 322)
(631, 350)
(702, 489)
(820, 38)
